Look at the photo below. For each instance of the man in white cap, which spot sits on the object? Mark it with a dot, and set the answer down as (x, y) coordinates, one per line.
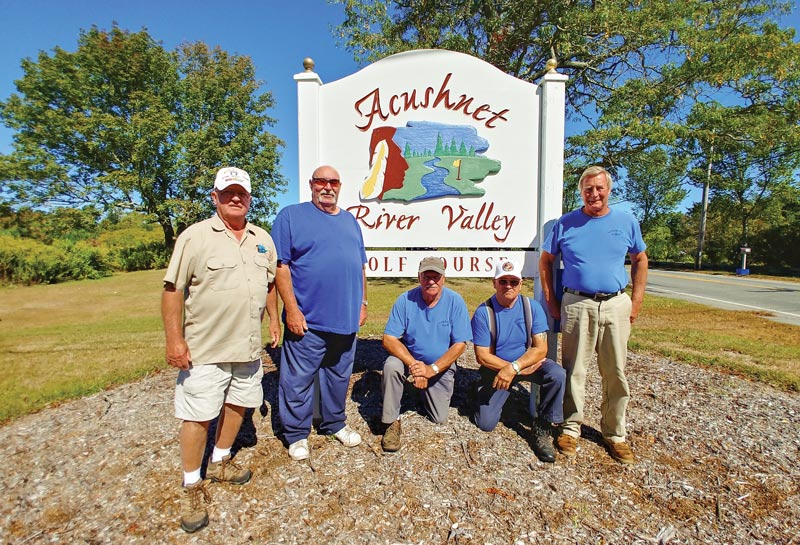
(427, 331)
(509, 336)
(218, 284)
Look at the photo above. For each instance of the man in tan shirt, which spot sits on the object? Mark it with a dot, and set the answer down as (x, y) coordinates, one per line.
(218, 284)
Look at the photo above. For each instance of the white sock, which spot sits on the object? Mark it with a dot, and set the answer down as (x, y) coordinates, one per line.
(191, 477)
(219, 454)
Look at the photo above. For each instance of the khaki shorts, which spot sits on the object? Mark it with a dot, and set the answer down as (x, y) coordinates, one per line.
(203, 389)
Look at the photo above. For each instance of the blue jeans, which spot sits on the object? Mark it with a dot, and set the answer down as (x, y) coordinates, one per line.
(551, 377)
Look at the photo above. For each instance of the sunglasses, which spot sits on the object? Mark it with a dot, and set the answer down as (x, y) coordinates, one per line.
(322, 182)
(513, 283)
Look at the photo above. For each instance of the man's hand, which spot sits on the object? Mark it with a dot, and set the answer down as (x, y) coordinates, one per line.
(274, 332)
(420, 382)
(178, 354)
(504, 378)
(532, 368)
(296, 322)
(363, 316)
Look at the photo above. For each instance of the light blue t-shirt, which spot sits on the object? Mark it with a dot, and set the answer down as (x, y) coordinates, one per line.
(325, 254)
(511, 335)
(593, 249)
(429, 332)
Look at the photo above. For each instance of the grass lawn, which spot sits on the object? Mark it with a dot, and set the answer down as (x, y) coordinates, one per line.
(63, 341)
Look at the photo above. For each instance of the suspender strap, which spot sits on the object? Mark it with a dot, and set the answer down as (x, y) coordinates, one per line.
(526, 308)
(492, 324)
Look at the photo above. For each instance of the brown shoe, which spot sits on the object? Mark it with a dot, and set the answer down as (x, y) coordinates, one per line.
(193, 513)
(227, 471)
(621, 452)
(391, 437)
(567, 445)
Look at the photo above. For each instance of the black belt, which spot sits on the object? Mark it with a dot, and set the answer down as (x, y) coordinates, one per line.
(599, 296)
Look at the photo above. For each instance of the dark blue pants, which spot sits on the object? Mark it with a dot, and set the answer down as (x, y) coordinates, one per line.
(330, 354)
(551, 378)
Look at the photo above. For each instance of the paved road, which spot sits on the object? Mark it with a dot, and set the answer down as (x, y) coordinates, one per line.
(780, 299)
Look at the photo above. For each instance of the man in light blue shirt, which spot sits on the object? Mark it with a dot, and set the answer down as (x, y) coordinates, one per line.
(427, 331)
(511, 345)
(595, 312)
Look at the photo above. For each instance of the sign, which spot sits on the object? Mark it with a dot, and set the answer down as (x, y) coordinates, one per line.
(438, 150)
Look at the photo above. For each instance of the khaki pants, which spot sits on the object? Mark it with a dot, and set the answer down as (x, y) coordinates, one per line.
(604, 327)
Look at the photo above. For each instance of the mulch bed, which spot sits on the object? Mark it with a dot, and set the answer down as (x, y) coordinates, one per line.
(717, 463)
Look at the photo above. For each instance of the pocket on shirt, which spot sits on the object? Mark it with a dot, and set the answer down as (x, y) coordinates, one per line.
(262, 266)
(223, 275)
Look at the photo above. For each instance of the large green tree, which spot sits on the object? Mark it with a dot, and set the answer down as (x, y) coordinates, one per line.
(640, 71)
(124, 124)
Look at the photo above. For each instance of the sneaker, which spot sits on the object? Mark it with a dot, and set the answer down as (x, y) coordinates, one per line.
(227, 471)
(299, 450)
(567, 445)
(543, 442)
(621, 452)
(348, 437)
(391, 437)
(193, 513)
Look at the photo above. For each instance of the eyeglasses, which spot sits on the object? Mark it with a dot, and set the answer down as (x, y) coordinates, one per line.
(322, 182)
(431, 277)
(513, 283)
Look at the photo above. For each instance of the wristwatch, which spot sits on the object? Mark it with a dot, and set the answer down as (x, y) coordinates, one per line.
(516, 367)
(364, 302)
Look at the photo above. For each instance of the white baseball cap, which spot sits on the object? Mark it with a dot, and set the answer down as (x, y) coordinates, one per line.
(228, 176)
(507, 268)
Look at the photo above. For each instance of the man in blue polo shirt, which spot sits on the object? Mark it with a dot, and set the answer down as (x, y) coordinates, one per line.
(322, 280)
(511, 345)
(427, 331)
(595, 312)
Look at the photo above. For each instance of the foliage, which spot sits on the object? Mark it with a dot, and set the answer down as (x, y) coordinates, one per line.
(27, 261)
(653, 184)
(660, 87)
(67, 244)
(123, 124)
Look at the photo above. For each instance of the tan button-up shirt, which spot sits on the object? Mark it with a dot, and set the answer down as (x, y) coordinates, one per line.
(224, 282)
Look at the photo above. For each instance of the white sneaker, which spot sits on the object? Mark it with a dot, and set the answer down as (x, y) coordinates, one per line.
(348, 437)
(299, 450)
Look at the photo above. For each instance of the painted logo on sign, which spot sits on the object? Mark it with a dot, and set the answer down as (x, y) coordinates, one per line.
(426, 160)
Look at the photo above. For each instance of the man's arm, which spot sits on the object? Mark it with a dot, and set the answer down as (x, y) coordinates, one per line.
(639, 280)
(447, 359)
(395, 347)
(363, 317)
(172, 315)
(528, 362)
(295, 320)
(272, 312)
(546, 261)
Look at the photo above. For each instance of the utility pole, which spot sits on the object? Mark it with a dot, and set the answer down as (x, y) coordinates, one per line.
(701, 238)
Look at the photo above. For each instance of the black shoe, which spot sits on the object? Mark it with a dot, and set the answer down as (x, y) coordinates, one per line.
(543, 441)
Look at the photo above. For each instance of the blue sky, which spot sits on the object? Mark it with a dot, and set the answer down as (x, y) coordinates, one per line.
(276, 34)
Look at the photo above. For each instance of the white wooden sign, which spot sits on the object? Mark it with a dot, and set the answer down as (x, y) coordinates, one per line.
(438, 150)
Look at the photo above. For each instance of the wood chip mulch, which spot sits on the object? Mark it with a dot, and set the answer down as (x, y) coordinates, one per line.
(718, 461)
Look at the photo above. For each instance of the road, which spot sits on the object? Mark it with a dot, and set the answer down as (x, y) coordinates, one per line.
(780, 301)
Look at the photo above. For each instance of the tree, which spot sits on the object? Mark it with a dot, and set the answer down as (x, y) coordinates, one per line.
(653, 184)
(662, 48)
(123, 124)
